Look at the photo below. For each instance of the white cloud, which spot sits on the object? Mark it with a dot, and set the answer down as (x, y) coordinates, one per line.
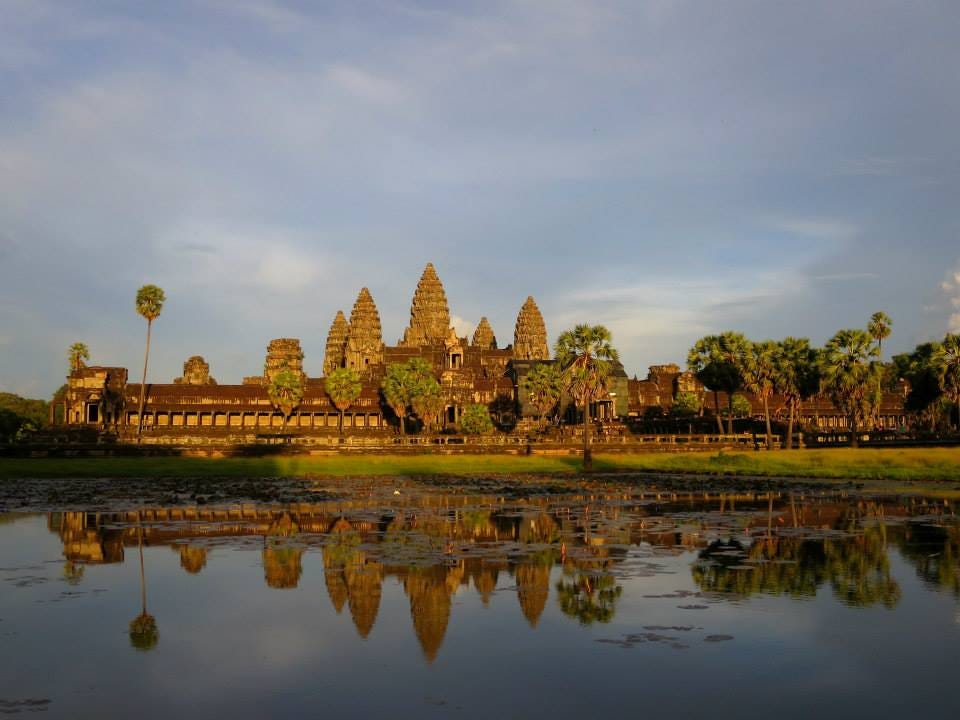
(463, 327)
(814, 228)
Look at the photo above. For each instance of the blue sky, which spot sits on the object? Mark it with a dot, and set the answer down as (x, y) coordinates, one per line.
(668, 169)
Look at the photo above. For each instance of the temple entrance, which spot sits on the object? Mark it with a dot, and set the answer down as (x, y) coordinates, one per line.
(93, 412)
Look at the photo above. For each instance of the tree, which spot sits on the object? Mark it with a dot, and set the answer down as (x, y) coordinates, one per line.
(717, 360)
(796, 377)
(946, 360)
(149, 303)
(343, 386)
(685, 404)
(740, 407)
(850, 373)
(428, 401)
(544, 386)
(879, 328)
(587, 358)
(919, 370)
(402, 382)
(476, 420)
(286, 392)
(758, 372)
(77, 355)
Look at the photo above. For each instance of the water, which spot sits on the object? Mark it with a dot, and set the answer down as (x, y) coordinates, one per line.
(438, 603)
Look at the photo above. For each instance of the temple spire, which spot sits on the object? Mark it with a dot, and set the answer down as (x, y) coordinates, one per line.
(364, 347)
(483, 336)
(530, 335)
(429, 312)
(335, 356)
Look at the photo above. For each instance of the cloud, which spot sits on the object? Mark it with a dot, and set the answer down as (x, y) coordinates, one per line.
(463, 327)
(813, 228)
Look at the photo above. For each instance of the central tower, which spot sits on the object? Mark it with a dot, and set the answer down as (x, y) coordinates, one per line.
(429, 312)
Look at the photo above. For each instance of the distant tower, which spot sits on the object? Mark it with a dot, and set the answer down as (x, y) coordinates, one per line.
(429, 312)
(335, 356)
(283, 354)
(196, 371)
(530, 335)
(364, 347)
(483, 336)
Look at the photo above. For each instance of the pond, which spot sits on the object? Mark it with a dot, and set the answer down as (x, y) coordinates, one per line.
(447, 602)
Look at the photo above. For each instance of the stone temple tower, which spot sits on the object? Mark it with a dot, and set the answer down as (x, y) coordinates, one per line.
(335, 356)
(530, 335)
(483, 336)
(429, 312)
(283, 354)
(364, 348)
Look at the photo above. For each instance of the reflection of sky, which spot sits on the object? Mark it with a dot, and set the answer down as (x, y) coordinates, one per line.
(231, 646)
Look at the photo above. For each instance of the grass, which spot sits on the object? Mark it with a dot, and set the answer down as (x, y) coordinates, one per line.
(893, 464)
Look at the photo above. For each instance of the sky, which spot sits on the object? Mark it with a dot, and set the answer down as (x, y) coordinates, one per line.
(667, 169)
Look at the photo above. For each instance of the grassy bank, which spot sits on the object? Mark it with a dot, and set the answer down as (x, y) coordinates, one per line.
(937, 464)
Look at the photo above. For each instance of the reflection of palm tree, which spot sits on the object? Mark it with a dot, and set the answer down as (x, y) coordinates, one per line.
(589, 597)
(143, 628)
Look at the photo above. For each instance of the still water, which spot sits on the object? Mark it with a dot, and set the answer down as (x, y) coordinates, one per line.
(438, 603)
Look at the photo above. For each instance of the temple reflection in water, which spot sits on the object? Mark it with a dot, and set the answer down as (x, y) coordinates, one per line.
(434, 547)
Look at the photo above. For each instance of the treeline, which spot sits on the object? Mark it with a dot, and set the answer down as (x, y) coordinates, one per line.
(19, 415)
(848, 370)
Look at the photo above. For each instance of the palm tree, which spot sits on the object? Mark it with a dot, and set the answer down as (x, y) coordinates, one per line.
(796, 377)
(946, 360)
(428, 401)
(150, 299)
(849, 373)
(286, 392)
(879, 328)
(758, 372)
(77, 355)
(402, 383)
(716, 360)
(344, 387)
(143, 628)
(587, 358)
(544, 386)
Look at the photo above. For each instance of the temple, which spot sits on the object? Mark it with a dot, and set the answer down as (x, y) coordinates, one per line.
(195, 408)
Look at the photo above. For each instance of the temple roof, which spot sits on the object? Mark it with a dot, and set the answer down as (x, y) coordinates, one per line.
(530, 334)
(429, 312)
(483, 336)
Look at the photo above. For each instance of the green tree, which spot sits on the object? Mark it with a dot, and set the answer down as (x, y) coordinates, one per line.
(849, 376)
(587, 358)
(343, 386)
(149, 303)
(77, 355)
(946, 360)
(286, 392)
(588, 596)
(740, 407)
(544, 386)
(685, 405)
(717, 361)
(759, 371)
(476, 420)
(428, 401)
(403, 382)
(879, 328)
(796, 377)
(19, 415)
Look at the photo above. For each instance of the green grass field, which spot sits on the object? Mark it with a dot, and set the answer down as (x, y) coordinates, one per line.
(938, 464)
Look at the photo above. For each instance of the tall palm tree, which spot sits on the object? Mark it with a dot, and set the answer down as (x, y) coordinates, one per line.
(77, 355)
(946, 361)
(849, 372)
(879, 328)
(344, 387)
(544, 386)
(717, 361)
(428, 401)
(759, 372)
(286, 392)
(402, 382)
(587, 358)
(149, 303)
(796, 377)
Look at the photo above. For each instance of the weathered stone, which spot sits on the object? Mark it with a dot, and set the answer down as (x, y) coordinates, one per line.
(336, 354)
(196, 371)
(364, 348)
(530, 335)
(483, 336)
(429, 312)
(283, 354)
